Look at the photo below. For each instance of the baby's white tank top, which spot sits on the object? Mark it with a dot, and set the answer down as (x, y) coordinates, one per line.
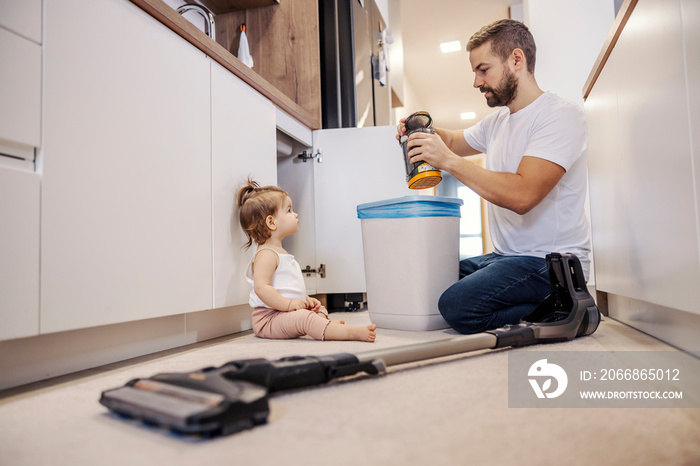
(287, 279)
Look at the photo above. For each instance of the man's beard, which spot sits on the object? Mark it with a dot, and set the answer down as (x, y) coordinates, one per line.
(505, 92)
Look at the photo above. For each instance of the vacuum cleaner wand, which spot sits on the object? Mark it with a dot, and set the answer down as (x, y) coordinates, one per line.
(224, 400)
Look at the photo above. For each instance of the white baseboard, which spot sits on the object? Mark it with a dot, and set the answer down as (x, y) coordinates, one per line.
(678, 328)
(27, 360)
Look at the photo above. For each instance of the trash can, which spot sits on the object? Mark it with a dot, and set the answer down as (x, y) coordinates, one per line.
(411, 252)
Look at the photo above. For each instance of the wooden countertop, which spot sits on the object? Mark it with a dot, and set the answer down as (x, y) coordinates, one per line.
(170, 18)
(620, 21)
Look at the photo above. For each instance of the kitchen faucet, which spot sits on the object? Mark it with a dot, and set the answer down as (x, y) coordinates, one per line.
(208, 16)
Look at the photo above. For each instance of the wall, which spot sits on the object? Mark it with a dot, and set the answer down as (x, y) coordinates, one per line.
(411, 102)
(569, 34)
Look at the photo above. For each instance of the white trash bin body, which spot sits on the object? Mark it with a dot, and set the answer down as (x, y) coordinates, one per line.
(411, 253)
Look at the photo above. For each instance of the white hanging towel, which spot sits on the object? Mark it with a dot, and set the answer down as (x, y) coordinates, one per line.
(379, 65)
(243, 49)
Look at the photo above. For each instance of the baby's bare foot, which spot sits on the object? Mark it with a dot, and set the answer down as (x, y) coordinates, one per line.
(364, 333)
(340, 331)
(367, 333)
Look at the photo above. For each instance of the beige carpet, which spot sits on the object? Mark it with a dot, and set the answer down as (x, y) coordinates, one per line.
(454, 412)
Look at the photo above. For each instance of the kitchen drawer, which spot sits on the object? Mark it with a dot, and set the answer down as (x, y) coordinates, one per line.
(22, 17)
(20, 95)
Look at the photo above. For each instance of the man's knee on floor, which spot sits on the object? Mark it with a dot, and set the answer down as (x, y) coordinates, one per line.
(460, 316)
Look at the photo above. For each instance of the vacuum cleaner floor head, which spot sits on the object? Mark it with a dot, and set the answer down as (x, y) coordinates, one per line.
(162, 402)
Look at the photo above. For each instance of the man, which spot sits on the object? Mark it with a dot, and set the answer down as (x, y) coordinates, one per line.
(534, 181)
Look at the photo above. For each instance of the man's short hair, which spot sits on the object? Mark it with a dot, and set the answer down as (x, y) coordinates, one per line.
(505, 36)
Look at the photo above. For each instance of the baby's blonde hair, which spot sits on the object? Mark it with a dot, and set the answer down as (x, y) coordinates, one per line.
(255, 204)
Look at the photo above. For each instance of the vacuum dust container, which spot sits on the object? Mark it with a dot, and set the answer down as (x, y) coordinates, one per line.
(419, 175)
(411, 252)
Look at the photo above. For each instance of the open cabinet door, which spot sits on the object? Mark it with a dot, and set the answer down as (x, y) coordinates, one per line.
(357, 165)
(296, 176)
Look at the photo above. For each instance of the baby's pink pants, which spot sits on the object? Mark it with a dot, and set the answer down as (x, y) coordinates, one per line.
(269, 323)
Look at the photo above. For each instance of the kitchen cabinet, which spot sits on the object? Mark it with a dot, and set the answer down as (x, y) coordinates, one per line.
(126, 196)
(226, 6)
(20, 92)
(284, 44)
(19, 253)
(355, 166)
(643, 176)
(243, 144)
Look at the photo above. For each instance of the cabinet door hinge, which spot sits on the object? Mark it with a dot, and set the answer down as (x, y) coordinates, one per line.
(321, 271)
(309, 156)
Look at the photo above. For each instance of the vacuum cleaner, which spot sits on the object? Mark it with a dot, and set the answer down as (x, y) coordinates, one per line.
(223, 400)
(419, 175)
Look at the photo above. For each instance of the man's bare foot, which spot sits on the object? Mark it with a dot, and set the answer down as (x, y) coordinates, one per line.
(340, 331)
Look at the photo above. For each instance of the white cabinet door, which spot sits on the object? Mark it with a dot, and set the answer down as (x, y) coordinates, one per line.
(243, 144)
(359, 165)
(608, 179)
(660, 190)
(126, 200)
(19, 253)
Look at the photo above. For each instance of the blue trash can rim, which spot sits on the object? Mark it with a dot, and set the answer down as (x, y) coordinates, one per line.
(410, 207)
(411, 199)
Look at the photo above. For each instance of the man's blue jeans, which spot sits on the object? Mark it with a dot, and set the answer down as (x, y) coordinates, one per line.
(494, 290)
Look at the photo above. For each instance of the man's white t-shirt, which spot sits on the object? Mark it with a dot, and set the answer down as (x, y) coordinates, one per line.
(550, 128)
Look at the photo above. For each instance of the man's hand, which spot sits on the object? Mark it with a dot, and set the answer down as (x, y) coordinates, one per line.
(429, 148)
(400, 129)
